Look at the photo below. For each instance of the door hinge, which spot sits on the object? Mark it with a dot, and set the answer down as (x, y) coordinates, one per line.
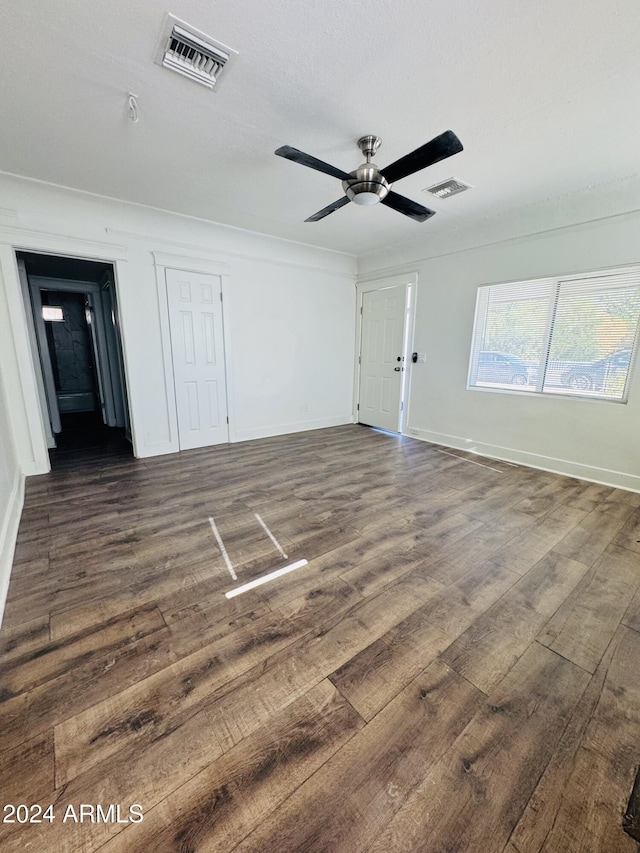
(220, 296)
(402, 406)
(227, 420)
(361, 309)
(359, 359)
(358, 407)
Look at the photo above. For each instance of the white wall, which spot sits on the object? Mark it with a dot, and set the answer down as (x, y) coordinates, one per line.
(592, 439)
(292, 349)
(289, 314)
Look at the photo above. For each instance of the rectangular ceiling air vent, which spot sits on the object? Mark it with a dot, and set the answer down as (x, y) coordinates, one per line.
(447, 188)
(192, 53)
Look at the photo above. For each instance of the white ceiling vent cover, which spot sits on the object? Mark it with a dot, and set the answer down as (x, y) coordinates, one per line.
(447, 188)
(193, 53)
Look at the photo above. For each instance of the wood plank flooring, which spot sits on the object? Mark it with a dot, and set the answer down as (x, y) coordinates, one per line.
(456, 670)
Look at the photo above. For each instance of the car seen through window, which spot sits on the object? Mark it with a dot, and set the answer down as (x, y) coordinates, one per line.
(502, 368)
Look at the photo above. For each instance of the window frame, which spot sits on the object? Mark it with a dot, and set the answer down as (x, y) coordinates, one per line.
(554, 282)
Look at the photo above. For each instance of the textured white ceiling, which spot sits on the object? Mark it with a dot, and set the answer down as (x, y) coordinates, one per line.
(543, 95)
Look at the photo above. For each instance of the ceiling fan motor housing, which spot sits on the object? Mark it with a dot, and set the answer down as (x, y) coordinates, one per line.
(367, 185)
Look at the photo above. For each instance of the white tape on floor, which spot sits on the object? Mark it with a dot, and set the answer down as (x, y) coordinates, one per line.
(223, 550)
(270, 535)
(265, 579)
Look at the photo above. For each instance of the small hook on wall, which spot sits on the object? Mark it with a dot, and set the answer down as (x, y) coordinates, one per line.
(132, 104)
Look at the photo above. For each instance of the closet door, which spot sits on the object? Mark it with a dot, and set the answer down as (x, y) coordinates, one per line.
(197, 345)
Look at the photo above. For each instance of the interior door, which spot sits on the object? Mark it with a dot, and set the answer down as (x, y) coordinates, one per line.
(381, 356)
(197, 345)
(114, 365)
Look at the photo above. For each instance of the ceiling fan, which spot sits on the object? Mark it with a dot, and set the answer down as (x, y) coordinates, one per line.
(370, 185)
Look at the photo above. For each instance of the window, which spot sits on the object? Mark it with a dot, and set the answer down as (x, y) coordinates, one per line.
(573, 336)
(53, 313)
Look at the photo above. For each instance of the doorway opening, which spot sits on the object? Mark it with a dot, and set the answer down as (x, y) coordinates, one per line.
(74, 331)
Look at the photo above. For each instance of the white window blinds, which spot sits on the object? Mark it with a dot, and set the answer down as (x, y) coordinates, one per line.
(571, 336)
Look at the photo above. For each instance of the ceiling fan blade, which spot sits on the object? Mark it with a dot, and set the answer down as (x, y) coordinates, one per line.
(409, 208)
(336, 205)
(440, 148)
(290, 153)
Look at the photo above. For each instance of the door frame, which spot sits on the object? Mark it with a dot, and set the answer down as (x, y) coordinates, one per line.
(34, 338)
(365, 286)
(205, 266)
(32, 444)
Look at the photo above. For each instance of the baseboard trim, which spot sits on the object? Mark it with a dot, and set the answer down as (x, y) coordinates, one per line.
(32, 469)
(287, 429)
(8, 536)
(591, 473)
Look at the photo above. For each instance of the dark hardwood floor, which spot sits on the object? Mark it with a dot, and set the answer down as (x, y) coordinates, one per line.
(456, 670)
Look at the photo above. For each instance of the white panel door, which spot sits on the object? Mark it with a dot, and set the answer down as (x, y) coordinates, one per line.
(197, 345)
(382, 348)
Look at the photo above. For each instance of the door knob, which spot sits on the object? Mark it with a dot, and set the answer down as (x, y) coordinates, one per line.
(397, 369)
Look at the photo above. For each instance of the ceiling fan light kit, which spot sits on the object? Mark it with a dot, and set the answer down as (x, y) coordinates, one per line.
(368, 184)
(364, 196)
